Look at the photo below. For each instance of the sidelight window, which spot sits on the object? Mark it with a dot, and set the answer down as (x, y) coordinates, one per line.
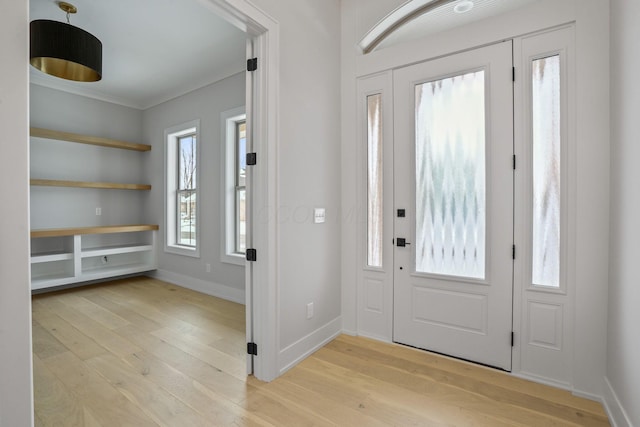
(546, 129)
(374, 180)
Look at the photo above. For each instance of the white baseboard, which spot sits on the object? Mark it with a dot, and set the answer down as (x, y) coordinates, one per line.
(542, 380)
(209, 288)
(375, 337)
(615, 411)
(586, 395)
(299, 350)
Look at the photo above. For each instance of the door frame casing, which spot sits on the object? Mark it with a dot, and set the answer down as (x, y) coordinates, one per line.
(262, 110)
(587, 338)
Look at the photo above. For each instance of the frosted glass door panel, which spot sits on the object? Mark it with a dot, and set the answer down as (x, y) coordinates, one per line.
(450, 176)
(546, 171)
(374, 181)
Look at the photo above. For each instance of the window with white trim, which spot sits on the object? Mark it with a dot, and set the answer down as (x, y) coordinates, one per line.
(234, 126)
(182, 157)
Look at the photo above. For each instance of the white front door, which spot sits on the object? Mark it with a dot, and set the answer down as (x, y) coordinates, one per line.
(453, 197)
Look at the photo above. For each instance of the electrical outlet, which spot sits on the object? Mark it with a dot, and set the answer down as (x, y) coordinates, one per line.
(207, 267)
(98, 211)
(309, 310)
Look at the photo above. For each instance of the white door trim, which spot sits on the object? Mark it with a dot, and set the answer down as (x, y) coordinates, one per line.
(261, 276)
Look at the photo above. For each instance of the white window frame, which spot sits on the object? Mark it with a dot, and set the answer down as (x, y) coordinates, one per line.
(228, 121)
(171, 136)
(536, 46)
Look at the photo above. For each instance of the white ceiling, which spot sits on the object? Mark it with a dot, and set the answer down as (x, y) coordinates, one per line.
(153, 50)
(444, 18)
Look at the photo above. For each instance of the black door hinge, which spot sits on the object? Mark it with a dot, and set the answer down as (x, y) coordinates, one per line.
(252, 348)
(513, 338)
(514, 162)
(251, 159)
(513, 74)
(252, 64)
(513, 252)
(252, 255)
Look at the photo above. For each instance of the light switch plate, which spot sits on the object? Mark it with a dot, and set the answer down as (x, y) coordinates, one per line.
(318, 215)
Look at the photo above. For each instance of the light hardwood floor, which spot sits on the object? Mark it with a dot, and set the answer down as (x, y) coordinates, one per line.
(140, 352)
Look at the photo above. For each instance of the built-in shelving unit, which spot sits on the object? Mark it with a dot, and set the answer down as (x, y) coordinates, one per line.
(63, 256)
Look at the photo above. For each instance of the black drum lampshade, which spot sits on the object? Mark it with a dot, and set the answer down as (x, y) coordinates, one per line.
(65, 51)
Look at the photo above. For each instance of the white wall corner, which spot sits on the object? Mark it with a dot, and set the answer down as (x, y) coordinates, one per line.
(16, 391)
(350, 332)
(615, 411)
(299, 350)
(209, 288)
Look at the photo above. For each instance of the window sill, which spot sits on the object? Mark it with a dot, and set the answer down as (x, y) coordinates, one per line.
(237, 259)
(182, 250)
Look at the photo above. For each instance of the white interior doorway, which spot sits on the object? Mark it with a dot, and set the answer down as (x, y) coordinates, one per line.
(260, 92)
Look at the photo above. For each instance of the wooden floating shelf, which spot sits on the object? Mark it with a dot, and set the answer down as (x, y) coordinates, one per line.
(58, 232)
(86, 139)
(89, 184)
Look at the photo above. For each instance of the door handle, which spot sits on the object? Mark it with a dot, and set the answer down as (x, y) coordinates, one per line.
(401, 242)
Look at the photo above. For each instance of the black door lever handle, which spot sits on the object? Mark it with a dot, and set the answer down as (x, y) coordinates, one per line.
(401, 242)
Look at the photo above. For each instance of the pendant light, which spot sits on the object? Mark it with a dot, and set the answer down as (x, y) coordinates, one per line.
(65, 51)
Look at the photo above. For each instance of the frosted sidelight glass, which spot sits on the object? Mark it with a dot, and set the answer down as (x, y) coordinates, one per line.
(450, 176)
(374, 180)
(546, 171)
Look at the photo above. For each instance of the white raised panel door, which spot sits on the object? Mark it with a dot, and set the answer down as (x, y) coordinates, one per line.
(453, 175)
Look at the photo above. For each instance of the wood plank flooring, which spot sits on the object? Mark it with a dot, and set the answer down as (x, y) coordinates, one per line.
(141, 352)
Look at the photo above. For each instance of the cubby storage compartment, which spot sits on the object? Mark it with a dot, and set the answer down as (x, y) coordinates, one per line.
(47, 249)
(115, 264)
(105, 255)
(55, 272)
(52, 261)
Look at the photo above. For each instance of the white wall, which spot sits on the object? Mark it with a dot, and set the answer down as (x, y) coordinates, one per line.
(308, 176)
(206, 104)
(53, 207)
(308, 172)
(623, 369)
(16, 408)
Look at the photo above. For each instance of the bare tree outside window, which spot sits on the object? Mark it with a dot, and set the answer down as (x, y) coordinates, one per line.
(186, 191)
(240, 187)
